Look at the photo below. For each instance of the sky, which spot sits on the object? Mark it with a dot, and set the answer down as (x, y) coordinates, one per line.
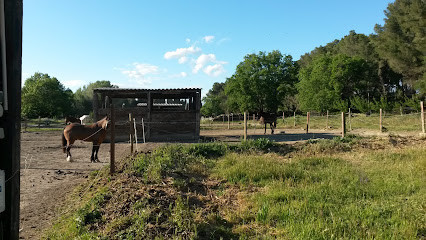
(177, 44)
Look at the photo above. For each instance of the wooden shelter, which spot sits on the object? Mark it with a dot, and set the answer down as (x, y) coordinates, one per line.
(168, 114)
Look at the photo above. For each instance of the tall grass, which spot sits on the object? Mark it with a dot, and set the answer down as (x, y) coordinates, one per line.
(381, 197)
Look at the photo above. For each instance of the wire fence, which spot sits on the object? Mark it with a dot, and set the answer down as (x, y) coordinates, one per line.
(386, 122)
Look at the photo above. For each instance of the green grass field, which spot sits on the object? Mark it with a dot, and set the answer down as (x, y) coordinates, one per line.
(324, 189)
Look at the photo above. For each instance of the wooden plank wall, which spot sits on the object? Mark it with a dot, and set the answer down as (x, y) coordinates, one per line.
(160, 125)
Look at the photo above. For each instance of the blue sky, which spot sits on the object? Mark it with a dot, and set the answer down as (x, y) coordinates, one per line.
(177, 44)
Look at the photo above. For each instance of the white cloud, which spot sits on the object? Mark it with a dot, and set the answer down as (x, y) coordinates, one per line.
(187, 40)
(214, 70)
(141, 73)
(73, 83)
(208, 39)
(183, 59)
(178, 75)
(223, 40)
(202, 60)
(182, 52)
(140, 70)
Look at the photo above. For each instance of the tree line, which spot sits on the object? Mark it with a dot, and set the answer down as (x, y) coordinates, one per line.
(45, 96)
(383, 70)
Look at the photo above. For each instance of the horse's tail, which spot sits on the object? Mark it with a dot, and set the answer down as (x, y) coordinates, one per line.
(64, 142)
(275, 123)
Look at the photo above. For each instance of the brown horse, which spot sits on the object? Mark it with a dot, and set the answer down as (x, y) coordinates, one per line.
(270, 118)
(71, 119)
(94, 133)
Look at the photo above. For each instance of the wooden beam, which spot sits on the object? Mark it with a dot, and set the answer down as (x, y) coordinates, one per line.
(10, 147)
(95, 102)
(197, 115)
(112, 141)
(148, 124)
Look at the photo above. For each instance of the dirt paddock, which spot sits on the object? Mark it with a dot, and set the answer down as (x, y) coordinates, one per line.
(46, 176)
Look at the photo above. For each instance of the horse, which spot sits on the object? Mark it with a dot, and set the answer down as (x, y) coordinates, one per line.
(270, 118)
(94, 133)
(71, 119)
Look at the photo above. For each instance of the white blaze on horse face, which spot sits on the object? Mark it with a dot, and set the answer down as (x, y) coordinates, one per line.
(69, 159)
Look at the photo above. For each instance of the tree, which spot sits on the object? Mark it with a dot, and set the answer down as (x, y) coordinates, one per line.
(45, 96)
(261, 82)
(357, 45)
(215, 101)
(84, 95)
(401, 41)
(329, 82)
(328, 49)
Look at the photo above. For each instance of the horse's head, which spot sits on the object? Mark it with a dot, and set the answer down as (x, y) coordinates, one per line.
(104, 122)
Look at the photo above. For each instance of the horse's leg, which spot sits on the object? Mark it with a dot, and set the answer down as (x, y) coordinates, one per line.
(265, 129)
(96, 152)
(92, 157)
(272, 128)
(69, 144)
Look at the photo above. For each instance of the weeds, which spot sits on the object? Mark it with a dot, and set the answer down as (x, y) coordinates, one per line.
(379, 195)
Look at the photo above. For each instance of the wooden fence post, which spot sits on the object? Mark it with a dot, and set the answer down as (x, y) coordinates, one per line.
(423, 116)
(283, 118)
(136, 134)
(245, 125)
(326, 123)
(229, 123)
(143, 131)
(112, 141)
(294, 119)
(350, 123)
(254, 119)
(343, 125)
(39, 121)
(131, 133)
(381, 121)
(308, 114)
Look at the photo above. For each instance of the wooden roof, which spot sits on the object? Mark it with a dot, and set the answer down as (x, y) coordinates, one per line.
(135, 92)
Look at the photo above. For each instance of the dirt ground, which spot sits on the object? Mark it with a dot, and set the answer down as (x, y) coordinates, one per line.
(46, 176)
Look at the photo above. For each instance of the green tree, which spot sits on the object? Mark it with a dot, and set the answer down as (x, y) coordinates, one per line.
(401, 41)
(261, 82)
(45, 96)
(357, 45)
(84, 95)
(329, 82)
(328, 49)
(215, 101)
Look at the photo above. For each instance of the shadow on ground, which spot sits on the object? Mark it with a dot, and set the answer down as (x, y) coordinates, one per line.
(280, 138)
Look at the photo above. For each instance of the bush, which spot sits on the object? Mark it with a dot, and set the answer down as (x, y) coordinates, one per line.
(258, 145)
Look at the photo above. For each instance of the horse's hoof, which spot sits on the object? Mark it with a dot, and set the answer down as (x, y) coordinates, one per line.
(69, 159)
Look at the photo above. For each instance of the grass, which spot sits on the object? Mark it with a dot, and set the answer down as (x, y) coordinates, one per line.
(325, 189)
(381, 197)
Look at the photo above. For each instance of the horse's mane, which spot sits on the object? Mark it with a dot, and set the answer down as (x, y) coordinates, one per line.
(100, 123)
